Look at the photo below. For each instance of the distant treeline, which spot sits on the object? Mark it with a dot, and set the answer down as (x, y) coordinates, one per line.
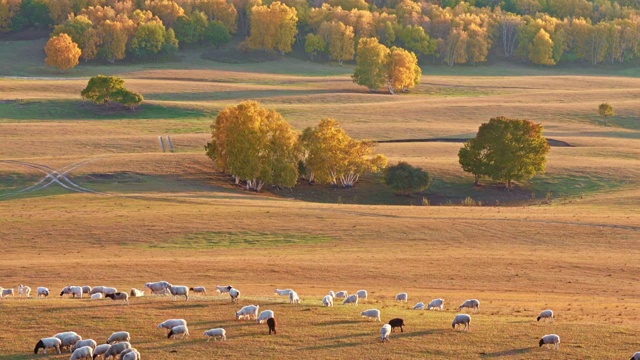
(449, 31)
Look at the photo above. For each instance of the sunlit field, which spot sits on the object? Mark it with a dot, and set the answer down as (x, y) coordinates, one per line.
(567, 241)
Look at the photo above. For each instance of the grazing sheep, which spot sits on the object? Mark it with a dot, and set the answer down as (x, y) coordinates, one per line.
(24, 290)
(284, 292)
(636, 356)
(371, 314)
(327, 300)
(119, 296)
(118, 337)
(351, 299)
(86, 289)
(397, 322)
(42, 291)
(550, 339)
(293, 298)
(471, 304)
(87, 342)
(162, 292)
(214, 333)
(272, 323)
(341, 294)
(100, 350)
(7, 292)
(462, 319)
(419, 306)
(199, 290)
(385, 331)
(402, 297)
(158, 286)
(82, 353)
(130, 354)
(96, 296)
(74, 291)
(264, 316)
(436, 304)
(223, 288)
(115, 350)
(48, 343)
(247, 312)
(67, 339)
(547, 314)
(171, 323)
(234, 294)
(332, 293)
(97, 290)
(362, 294)
(179, 291)
(136, 293)
(178, 330)
(108, 290)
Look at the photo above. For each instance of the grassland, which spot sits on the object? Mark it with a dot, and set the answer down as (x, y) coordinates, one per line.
(169, 216)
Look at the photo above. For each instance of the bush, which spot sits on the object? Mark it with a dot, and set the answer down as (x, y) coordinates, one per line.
(216, 34)
(406, 179)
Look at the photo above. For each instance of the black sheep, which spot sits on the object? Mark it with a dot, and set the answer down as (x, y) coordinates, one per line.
(272, 323)
(397, 322)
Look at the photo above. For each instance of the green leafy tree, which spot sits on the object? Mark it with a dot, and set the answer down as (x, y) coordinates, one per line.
(413, 38)
(605, 110)
(405, 179)
(541, 49)
(103, 89)
(370, 68)
(128, 98)
(506, 150)
(148, 39)
(314, 45)
(216, 34)
(190, 29)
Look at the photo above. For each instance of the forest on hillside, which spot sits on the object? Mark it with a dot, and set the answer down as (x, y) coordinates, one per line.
(545, 32)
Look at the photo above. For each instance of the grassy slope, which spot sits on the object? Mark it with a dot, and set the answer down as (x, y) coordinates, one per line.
(166, 217)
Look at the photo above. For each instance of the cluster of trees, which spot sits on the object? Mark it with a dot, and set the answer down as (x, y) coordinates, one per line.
(505, 150)
(258, 146)
(110, 89)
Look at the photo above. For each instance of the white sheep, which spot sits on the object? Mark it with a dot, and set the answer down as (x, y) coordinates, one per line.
(371, 314)
(24, 290)
(471, 304)
(86, 289)
(179, 291)
(436, 304)
(351, 299)
(119, 296)
(96, 296)
(119, 336)
(178, 330)
(199, 290)
(341, 294)
(234, 294)
(327, 300)
(68, 339)
(42, 291)
(332, 293)
(462, 319)
(362, 294)
(171, 323)
(162, 292)
(108, 290)
(130, 354)
(136, 293)
(48, 343)
(87, 342)
(385, 331)
(546, 314)
(82, 353)
(74, 291)
(247, 312)
(100, 350)
(97, 290)
(7, 292)
(223, 288)
(293, 298)
(550, 339)
(418, 306)
(115, 350)
(635, 356)
(284, 292)
(264, 316)
(214, 333)
(158, 286)
(402, 297)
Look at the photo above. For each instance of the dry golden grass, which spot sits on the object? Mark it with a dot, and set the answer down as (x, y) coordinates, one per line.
(578, 257)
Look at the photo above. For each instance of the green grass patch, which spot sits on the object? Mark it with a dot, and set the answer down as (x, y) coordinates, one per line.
(572, 185)
(213, 240)
(79, 110)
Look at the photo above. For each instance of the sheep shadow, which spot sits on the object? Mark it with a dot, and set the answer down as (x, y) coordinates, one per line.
(408, 334)
(341, 322)
(510, 352)
(363, 334)
(174, 307)
(332, 346)
(17, 356)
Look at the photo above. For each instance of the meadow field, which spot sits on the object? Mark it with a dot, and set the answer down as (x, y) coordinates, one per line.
(568, 241)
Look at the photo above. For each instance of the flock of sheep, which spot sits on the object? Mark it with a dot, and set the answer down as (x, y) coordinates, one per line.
(118, 344)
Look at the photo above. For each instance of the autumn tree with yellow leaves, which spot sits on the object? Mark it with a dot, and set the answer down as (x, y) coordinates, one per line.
(340, 40)
(273, 27)
(8, 9)
(403, 72)
(541, 49)
(62, 52)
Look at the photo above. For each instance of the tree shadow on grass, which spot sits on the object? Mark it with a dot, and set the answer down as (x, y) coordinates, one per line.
(236, 94)
(84, 110)
(510, 352)
(341, 322)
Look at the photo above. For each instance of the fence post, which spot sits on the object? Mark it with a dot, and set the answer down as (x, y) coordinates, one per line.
(161, 142)
(169, 144)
